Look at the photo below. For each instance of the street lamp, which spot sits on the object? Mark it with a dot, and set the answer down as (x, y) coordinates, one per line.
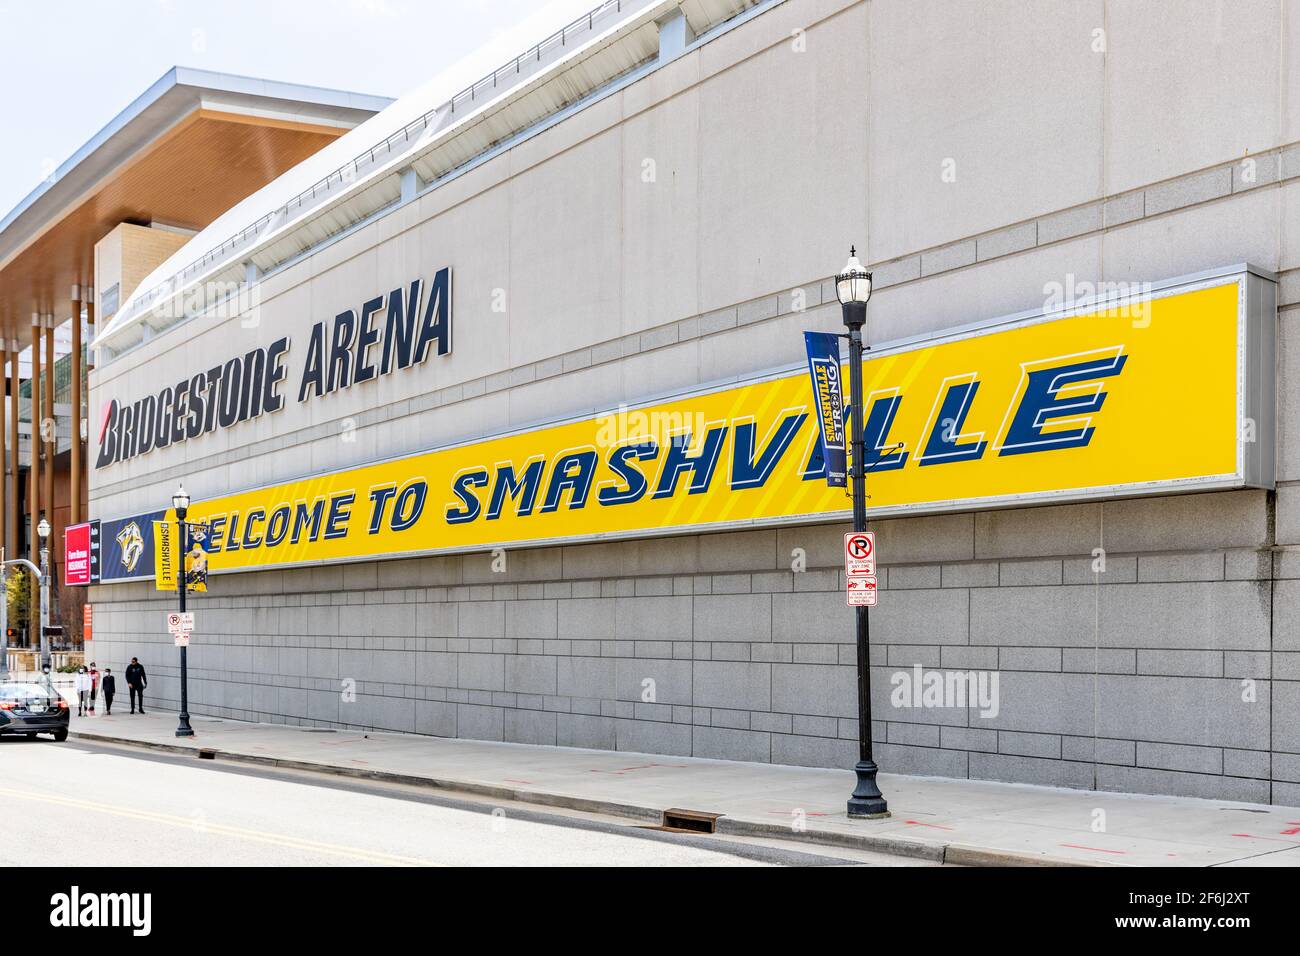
(43, 531)
(853, 288)
(181, 502)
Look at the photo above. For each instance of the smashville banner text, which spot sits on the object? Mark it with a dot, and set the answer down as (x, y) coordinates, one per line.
(1118, 402)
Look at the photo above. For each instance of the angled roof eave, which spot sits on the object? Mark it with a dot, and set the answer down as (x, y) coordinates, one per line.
(176, 94)
(171, 278)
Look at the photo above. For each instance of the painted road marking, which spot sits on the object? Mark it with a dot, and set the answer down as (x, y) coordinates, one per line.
(1094, 849)
(274, 839)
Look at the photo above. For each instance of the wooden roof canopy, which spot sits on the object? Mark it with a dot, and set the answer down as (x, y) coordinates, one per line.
(193, 145)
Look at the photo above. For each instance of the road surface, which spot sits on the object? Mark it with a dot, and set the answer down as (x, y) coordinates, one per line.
(83, 804)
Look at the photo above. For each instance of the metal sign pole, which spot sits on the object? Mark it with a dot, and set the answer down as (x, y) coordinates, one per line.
(183, 728)
(45, 608)
(4, 619)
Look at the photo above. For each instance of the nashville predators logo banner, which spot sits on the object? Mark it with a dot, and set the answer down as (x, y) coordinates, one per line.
(1170, 390)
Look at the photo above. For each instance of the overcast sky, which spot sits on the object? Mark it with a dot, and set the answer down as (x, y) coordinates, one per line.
(67, 67)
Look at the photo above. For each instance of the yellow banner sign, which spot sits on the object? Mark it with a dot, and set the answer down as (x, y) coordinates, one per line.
(1149, 395)
(166, 544)
(164, 555)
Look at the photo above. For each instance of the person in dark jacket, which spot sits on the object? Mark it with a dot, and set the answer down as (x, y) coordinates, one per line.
(136, 682)
(109, 685)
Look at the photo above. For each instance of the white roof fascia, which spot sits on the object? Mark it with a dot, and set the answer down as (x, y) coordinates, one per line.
(432, 98)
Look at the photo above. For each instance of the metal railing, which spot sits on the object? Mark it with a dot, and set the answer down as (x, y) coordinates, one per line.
(350, 171)
(62, 382)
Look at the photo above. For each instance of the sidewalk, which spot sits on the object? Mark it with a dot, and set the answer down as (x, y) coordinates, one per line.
(954, 821)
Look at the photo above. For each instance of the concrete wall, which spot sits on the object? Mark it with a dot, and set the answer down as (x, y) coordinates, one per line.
(1078, 156)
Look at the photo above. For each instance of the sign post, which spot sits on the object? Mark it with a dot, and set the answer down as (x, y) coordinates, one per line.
(853, 288)
(184, 620)
(4, 618)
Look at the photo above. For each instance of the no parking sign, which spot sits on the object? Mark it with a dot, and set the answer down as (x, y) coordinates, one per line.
(860, 552)
(860, 568)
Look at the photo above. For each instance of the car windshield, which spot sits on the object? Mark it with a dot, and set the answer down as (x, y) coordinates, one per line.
(23, 692)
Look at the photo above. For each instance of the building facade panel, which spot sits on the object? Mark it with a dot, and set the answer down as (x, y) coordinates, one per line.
(1121, 644)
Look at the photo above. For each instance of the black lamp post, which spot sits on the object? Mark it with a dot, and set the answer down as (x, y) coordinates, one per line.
(181, 502)
(853, 288)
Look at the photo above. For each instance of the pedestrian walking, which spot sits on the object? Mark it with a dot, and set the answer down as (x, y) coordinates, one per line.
(83, 690)
(136, 682)
(110, 688)
(94, 684)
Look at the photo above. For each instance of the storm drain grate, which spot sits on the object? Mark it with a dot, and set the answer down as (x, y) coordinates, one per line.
(207, 754)
(692, 821)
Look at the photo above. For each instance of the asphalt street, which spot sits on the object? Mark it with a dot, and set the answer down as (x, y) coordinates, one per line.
(83, 804)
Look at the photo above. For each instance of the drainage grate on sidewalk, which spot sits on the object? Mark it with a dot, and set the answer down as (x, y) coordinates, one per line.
(688, 821)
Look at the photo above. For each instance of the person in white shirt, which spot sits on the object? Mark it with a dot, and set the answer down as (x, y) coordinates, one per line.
(84, 684)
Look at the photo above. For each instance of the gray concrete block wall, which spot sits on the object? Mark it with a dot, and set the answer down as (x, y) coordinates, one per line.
(1172, 684)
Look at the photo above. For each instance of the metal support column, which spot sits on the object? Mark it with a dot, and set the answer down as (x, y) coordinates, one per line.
(49, 421)
(34, 450)
(74, 476)
(4, 457)
(15, 507)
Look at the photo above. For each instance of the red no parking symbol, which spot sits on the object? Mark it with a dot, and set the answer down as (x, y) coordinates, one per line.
(859, 553)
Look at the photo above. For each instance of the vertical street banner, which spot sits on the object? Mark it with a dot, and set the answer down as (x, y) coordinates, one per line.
(196, 557)
(164, 555)
(828, 395)
(167, 556)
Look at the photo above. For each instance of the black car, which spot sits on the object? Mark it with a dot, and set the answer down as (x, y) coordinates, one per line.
(32, 709)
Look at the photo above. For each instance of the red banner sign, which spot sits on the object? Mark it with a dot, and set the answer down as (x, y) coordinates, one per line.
(76, 555)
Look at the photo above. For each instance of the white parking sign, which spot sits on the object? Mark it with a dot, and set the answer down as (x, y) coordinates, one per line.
(860, 553)
(860, 590)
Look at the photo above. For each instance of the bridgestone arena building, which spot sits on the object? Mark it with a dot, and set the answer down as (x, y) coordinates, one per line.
(497, 417)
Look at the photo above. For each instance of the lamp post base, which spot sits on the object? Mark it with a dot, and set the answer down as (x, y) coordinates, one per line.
(183, 729)
(867, 802)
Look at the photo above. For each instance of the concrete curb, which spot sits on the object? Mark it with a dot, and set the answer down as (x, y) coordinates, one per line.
(936, 852)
